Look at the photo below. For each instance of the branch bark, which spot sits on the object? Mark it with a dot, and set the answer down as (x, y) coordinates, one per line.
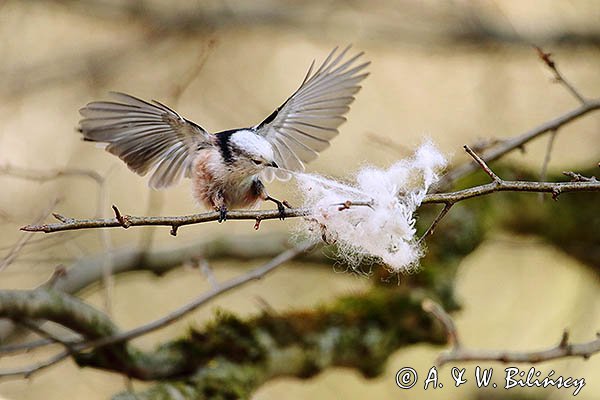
(48, 304)
(236, 357)
(458, 352)
(358, 331)
(127, 221)
(89, 270)
(506, 146)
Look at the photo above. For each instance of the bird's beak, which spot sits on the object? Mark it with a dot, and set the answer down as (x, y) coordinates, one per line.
(274, 165)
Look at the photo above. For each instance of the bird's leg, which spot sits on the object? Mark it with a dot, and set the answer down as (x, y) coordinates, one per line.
(280, 206)
(220, 206)
(259, 190)
(222, 213)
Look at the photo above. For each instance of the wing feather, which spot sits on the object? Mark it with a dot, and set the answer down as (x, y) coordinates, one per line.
(303, 126)
(145, 135)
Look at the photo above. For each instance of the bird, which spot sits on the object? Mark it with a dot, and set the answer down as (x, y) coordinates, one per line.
(227, 168)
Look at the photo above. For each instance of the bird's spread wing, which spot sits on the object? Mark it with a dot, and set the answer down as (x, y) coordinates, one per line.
(303, 126)
(147, 136)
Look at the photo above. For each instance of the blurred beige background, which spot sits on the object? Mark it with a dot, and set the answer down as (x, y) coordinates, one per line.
(453, 71)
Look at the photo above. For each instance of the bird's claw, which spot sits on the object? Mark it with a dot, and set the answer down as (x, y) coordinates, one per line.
(281, 209)
(280, 206)
(222, 214)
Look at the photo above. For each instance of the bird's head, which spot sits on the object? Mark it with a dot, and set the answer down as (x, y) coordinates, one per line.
(251, 152)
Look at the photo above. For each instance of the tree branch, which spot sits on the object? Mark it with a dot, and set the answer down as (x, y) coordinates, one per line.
(44, 176)
(436, 221)
(233, 357)
(99, 331)
(127, 221)
(88, 270)
(459, 353)
(506, 146)
(210, 295)
(24, 239)
(58, 307)
(584, 350)
(550, 63)
(30, 370)
(301, 343)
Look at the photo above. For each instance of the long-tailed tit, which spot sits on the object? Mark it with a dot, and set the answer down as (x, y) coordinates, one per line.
(226, 167)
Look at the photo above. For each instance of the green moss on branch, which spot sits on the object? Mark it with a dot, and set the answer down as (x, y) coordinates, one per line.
(232, 357)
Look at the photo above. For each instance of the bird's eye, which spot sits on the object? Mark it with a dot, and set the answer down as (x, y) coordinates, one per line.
(257, 162)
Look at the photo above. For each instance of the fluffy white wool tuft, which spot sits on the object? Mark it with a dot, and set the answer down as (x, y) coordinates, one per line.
(383, 231)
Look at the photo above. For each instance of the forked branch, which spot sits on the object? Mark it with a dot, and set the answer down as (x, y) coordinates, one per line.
(458, 352)
(126, 221)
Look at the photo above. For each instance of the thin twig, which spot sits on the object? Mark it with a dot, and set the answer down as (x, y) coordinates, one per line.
(546, 162)
(482, 164)
(387, 144)
(516, 142)
(213, 293)
(555, 188)
(126, 221)
(188, 78)
(208, 273)
(33, 326)
(438, 312)
(25, 347)
(459, 353)
(43, 176)
(105, 239)
(28, 371)
(436, 221)
(22, 242)
(47, 242)
(550, 63)
(584, 350)
(575, 177)
(547, 156)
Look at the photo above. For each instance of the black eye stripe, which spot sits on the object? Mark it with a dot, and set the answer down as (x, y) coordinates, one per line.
(257, 162)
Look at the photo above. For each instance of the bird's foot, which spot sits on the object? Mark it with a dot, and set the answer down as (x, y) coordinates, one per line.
(280, 206)
(222, 213)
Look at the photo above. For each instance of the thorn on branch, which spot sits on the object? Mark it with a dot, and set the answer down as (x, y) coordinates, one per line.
(62, 218)
(173, 231)
(564, 340)
(257, 223)
(555, 193)
(123, 220)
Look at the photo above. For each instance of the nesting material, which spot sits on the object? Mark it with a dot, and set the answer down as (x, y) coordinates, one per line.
(384, 230)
